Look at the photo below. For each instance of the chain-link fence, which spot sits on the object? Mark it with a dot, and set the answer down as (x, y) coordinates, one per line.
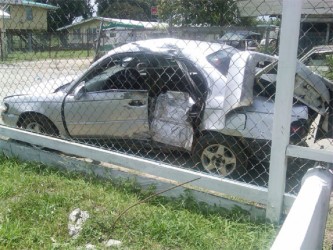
(189, 83)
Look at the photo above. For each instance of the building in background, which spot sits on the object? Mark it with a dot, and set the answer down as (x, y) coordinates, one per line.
(114, 32)
(20, 21)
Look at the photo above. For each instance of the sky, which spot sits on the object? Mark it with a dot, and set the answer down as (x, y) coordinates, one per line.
(92, 2)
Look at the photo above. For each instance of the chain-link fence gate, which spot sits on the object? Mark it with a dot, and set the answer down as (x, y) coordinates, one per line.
(186, 83)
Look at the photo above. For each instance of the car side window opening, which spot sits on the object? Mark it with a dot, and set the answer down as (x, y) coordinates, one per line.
(221, 59)
(317, 60)
(170, 74)
(141, 71)
(197, 80)
(161, 72)
(114, 75)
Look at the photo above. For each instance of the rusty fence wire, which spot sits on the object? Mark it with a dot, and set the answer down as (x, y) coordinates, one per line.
(188, 83)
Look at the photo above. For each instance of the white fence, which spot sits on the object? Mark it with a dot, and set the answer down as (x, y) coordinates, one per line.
(243, 191)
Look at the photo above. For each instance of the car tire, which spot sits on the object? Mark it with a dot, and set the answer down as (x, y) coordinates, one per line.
(39, 124)
(221, 155)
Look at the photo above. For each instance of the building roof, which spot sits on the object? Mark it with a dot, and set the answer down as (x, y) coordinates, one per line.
(146, 25)
(111, 23)
(255, 8)
(32, 3)
(120, 24)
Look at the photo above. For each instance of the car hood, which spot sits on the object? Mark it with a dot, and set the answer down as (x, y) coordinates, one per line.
(45, 87)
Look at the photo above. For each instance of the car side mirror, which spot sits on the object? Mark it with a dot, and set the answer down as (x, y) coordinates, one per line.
(79, 91)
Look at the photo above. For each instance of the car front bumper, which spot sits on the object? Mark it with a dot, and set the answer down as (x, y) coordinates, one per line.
(9, 119)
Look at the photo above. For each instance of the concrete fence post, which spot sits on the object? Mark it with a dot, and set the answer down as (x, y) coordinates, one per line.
(290, 26)
(304, 227)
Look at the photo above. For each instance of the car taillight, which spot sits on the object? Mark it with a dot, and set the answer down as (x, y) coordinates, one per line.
(298, 130)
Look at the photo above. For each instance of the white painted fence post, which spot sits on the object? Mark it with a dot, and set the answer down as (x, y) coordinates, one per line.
(290, 26)
(304, 227)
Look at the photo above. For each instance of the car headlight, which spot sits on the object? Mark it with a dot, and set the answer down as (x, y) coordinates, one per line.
(4, 107)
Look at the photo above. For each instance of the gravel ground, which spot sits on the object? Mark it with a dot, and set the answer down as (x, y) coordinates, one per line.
(21, 77)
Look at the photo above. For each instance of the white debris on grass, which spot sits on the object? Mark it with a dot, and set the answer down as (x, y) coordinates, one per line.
(76, 220)
(107, 244)
(112, 243)
(90, 247)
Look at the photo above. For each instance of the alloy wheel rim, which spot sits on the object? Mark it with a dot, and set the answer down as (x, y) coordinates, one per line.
(219, 159)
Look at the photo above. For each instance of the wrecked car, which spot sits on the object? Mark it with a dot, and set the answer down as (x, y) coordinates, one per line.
(208, 99)
(241, 39)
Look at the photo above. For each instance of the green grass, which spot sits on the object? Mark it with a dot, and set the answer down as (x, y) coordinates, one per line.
(35, 202)
(329, 74)
(31, 56)
(328, 240)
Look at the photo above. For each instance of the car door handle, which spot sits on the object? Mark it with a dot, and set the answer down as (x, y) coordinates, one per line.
(136, 103)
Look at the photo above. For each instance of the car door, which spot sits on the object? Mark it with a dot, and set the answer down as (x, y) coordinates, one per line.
(112, 102)
(171, 124)
(177, 106)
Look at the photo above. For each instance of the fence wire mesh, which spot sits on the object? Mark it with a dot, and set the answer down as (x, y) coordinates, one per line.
(189, 83)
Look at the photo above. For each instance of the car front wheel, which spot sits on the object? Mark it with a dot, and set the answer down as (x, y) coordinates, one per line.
(219, 154)
(39, 124)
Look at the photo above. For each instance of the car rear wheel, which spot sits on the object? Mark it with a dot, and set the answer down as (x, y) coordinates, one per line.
(219, 154)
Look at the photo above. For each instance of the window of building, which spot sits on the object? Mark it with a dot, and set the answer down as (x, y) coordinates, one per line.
(28, 12)
(91, 34)
(77, 34)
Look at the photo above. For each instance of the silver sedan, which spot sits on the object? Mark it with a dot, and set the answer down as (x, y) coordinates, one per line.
(209, 99)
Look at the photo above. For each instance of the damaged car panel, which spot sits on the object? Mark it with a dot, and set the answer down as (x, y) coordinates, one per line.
(171, 124)
(310, 89)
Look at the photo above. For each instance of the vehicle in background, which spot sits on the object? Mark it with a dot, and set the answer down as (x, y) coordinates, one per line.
(241, 39)
(269, 34)
(320, 60)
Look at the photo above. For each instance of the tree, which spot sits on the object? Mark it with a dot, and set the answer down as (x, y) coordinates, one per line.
(125, 9)
(200, 12)
(67, 12)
